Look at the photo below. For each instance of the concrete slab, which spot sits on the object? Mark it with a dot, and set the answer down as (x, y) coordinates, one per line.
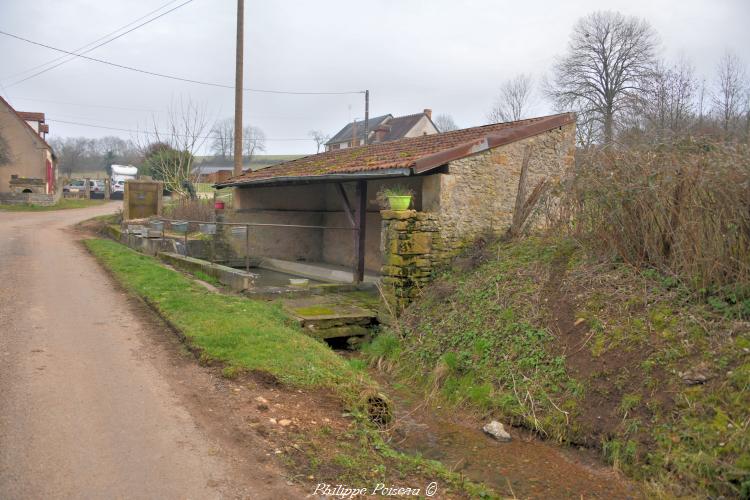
(331, 315)
(314, 270)
(233, 278)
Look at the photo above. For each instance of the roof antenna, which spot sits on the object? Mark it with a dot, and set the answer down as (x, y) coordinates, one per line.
(367, 115)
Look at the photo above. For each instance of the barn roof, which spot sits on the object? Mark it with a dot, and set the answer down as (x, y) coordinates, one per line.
(410, 156)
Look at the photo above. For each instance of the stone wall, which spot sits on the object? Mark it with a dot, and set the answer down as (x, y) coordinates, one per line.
(477, 194)
(473, 196)
(27, 185)
(412, 249)
(41, 199)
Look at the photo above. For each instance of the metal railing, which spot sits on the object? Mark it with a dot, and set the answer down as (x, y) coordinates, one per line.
(245, 225)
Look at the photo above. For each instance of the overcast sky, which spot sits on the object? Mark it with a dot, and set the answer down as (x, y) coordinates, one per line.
(448, 55)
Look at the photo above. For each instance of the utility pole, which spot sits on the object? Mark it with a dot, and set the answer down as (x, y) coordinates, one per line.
(367, 115)
(238, 88)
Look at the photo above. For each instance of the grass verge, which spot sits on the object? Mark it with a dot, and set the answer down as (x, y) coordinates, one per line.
(63, 204)
(247, 335)
(243, 334)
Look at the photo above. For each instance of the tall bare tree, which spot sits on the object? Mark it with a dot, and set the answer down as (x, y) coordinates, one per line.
(700, 102)
(730, 99)
(222, 139)
(181, 135)
(609, 58)
(514, 100)
(253, 140)
(320, 139)
(445, 123)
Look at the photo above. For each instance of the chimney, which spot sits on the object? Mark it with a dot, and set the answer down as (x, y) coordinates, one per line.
(380, 133)
(428, 112)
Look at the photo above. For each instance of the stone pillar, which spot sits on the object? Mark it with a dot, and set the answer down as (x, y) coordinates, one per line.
(411, 250)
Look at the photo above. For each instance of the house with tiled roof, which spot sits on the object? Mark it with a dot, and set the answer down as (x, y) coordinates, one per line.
(27, 165)
(383, 129)
(322, 210)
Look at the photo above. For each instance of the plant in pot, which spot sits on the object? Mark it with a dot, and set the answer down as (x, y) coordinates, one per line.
(395, 197)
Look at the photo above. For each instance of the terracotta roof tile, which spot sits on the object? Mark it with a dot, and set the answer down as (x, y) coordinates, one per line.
(414, 154)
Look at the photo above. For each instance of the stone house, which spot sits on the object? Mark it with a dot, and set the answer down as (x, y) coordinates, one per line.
(28, 173)
(322, 209)
(383, 129)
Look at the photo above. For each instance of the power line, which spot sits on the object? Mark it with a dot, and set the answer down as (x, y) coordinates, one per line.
(97, 40)
(157, 133)
(150, 110)
(172, 77)
(99, 45)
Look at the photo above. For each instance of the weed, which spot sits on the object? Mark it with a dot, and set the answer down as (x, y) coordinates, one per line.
(628, 403)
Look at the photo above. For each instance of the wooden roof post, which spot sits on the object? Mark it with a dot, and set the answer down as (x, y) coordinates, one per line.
(360, 232)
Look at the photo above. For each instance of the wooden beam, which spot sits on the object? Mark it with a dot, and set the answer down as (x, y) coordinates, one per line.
(360, 232)
(347, 206)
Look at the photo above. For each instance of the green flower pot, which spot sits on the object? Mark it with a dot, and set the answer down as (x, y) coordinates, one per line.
(399, 203)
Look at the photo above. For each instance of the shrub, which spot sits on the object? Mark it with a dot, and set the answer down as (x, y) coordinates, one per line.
(683, 209)
(190, 209)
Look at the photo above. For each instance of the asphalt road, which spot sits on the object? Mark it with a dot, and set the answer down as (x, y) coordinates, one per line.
(85, 410)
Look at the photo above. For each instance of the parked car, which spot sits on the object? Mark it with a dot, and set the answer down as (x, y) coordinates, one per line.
(75, 186)
(79, 185)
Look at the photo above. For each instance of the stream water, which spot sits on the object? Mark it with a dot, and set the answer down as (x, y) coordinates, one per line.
(526, 467)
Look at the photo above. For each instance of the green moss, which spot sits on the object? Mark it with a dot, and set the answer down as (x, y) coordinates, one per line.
(314, 311)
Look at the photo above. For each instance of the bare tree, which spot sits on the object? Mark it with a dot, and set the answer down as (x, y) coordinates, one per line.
(253, 140)
(609, 58)
(729, 99)
(701, 102)
(72, 153)
(222, 138)
(514, 100)
(444, 123)
(320, 139)
(180, 138)
(666, 103)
